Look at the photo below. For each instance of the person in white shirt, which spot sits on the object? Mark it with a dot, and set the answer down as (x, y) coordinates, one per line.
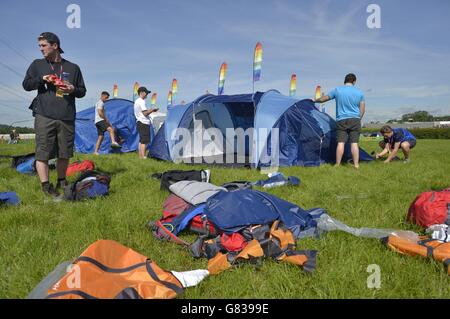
(102, 123)
(143, 120)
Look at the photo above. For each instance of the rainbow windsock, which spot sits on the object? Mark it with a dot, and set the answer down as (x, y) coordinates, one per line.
(174, 88)
(293, 87)
(222, 75)
(153, 100)
(135, 90)
(169, 98)
(115, 91)
(257, 62)
(318, 92)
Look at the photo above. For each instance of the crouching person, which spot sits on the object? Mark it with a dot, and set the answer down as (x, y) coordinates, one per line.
(395, 139)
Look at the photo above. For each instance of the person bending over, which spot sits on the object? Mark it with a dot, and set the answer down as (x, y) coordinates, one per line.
(395, 139)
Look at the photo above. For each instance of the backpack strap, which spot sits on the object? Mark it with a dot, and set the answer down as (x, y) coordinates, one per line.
(157, 175)
(447, 264)
(172, 236)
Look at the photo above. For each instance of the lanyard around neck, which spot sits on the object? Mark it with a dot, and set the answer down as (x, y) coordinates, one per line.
(53, 68)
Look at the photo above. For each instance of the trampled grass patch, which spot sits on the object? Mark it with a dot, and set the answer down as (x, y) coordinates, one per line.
(38, 235)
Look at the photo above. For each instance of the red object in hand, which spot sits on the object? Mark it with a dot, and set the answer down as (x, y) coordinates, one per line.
(56, 81)
(53, 77)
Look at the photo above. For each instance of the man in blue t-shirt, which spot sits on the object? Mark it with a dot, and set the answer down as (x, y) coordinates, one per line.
(394, 139)
(350, 108)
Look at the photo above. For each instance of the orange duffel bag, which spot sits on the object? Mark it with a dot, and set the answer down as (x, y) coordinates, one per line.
(425, 247)
(106, 269)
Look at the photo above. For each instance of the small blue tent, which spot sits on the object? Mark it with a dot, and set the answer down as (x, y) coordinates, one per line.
(304, 135)
(120, 113)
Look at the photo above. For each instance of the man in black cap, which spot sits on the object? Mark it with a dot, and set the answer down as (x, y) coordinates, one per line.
(58, 82)
(143, 120)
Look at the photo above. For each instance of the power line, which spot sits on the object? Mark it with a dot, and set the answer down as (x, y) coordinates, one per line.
(15, 50)
(13, 107)
(11, 69)
(8, 90)
(21, 121)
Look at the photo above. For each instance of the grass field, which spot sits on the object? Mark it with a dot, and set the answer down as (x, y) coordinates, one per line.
(38, 235)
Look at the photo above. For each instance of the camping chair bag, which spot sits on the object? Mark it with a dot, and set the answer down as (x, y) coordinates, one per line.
(425, 247)
(108, 270)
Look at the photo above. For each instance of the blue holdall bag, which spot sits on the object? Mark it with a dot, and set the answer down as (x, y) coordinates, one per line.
(89, 185)
(9, 198)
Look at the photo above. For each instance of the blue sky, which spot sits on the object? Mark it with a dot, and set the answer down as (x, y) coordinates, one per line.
(402, 67)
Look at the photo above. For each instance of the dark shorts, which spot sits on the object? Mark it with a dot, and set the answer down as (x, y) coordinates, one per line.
(348, 130)
(144, 133)
(412, 143)
(102, 127)
(54, 138)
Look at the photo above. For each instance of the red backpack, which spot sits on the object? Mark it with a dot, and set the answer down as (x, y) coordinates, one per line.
(80, 167)
(430, 208)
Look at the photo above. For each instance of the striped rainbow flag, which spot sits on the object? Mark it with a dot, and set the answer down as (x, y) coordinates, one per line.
(318, 92)
(115, 91)
(174, 88)
(153, 100)
(257, 62)
(222, 76)
(293, 87)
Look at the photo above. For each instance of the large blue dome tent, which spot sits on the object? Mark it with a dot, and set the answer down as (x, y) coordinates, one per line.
(120, 113)
(306, 136)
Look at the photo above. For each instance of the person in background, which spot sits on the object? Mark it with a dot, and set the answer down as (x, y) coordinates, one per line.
(143, 120)
(395, 139)
(350, 109)
(102, 123)
(58, 83)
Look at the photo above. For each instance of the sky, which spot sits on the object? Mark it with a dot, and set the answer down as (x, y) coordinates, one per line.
(401, 67)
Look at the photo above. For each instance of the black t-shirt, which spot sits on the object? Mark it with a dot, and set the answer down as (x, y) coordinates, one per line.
(46, 102)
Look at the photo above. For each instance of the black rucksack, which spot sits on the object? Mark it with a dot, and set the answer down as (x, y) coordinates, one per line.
(171, 177)
(90, 184)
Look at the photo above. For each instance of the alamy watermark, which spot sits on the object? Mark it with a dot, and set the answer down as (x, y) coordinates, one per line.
(237, 146)
(74, 19)
(374, 19)
(374, 279)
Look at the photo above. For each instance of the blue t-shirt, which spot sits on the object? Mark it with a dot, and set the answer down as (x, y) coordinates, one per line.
(347, 102)
(400, 135)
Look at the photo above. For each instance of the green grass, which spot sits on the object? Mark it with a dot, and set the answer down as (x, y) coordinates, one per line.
(38, 235)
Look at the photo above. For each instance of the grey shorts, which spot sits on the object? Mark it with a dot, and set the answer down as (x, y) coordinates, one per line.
(54, 138)
(348, 130)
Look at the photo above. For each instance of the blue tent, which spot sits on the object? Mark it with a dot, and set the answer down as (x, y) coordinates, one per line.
(304, 135)
(120, 113)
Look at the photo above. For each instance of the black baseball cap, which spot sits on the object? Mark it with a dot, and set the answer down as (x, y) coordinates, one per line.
(143, 89)
(51, 38)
